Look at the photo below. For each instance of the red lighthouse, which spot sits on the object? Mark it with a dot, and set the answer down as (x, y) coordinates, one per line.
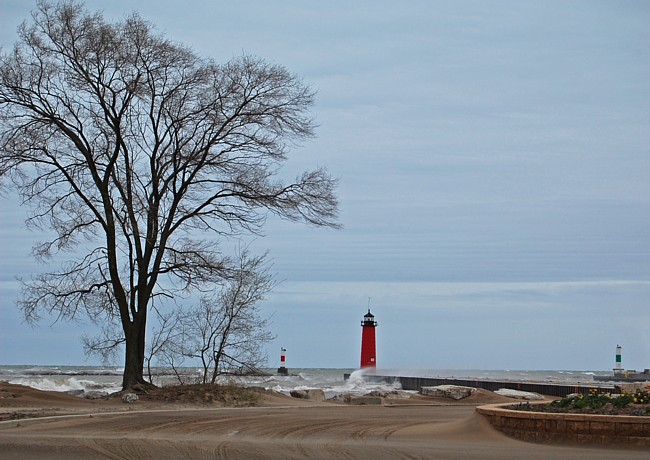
(368, 349)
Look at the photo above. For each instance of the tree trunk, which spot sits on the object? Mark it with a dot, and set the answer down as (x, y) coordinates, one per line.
(132, 368)
(133, 378)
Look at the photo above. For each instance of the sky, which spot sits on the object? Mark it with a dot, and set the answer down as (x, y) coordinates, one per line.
(494, 170)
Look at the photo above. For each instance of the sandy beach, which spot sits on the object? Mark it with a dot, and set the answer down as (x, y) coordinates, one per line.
(38, 424)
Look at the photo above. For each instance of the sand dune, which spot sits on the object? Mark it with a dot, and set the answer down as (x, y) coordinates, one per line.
(283, 428)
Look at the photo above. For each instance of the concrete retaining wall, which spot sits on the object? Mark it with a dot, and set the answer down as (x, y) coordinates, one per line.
(595, 430)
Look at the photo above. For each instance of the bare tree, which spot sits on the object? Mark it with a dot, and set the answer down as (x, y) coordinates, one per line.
(225, 332)
(163, 336)
(142, 156)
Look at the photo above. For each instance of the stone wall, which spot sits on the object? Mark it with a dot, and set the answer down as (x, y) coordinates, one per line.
(595, 430)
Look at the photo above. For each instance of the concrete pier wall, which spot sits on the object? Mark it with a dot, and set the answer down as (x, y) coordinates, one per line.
(548, 389)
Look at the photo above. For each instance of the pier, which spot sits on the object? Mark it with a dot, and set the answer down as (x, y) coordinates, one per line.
(548, 389)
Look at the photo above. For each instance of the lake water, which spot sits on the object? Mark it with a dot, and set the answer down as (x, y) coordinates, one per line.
(98, 379)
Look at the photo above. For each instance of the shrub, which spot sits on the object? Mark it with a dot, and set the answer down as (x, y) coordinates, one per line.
(623, 400)
(595, 400)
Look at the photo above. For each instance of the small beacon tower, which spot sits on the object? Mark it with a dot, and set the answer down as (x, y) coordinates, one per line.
(282, 370)
(618, 370)
(368, 348)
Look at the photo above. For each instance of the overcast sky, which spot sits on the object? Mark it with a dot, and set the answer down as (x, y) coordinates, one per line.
(494, 170)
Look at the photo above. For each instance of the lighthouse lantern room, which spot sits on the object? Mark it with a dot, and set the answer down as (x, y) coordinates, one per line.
(368, 347)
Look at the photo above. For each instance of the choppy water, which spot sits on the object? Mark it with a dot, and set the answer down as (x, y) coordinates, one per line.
(86, 379)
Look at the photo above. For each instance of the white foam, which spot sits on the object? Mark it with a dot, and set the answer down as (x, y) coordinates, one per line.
(67, 384)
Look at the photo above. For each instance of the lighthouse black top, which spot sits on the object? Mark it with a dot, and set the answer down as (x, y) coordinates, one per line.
(369, 319)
